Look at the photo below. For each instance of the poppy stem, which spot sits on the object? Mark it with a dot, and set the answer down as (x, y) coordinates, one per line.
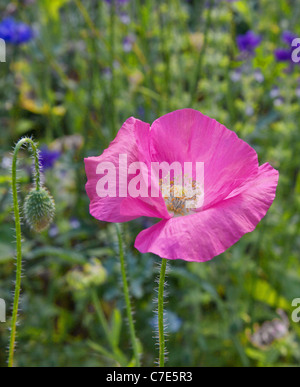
(162, 348)
(19, 238)
(134, 341)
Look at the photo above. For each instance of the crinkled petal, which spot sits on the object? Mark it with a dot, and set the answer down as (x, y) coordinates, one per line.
(204, 235)
(152, 208)
(189, 136)
(132, 140)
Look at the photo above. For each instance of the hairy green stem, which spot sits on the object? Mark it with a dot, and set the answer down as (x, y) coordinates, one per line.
(127, 300)
(161, 332)
(19, 237)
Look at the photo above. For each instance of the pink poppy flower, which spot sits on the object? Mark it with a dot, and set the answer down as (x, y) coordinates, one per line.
(237, 191)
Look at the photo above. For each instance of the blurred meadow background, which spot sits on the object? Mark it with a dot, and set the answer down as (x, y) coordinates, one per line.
(75, 71)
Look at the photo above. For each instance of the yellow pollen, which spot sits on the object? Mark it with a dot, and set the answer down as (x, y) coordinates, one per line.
(177, 196)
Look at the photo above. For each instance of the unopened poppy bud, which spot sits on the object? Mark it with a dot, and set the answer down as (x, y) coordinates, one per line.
(39, 209)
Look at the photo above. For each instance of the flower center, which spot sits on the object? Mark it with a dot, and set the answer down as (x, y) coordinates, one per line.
(181, 199)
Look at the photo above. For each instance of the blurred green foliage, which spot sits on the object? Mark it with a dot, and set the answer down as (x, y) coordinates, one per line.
(71, 88)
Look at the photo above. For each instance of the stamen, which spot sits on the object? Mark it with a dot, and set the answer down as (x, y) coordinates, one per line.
(180, 199)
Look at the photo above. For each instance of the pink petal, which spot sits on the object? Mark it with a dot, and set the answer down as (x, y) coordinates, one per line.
(189, 136)
(204, 235)
(133, 141)
(152, 208)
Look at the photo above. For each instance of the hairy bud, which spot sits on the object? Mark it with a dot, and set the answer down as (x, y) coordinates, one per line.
(39, 209)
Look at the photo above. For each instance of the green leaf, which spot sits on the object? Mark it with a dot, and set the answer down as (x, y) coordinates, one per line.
(116, 327)
(262, 291)
(24, 126)
(52, 7)
(98, 348)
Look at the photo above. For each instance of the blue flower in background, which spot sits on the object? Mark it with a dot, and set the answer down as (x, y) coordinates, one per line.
(48, 157)
(172, 322)
(15, 32)
(248, 42)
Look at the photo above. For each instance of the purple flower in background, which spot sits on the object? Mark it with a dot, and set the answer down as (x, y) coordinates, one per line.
(285, 54)
(258, 76)
(74, 223)
(107, 73)
(236, 75)
(278, 101)
(48, 157)
(248, 42)
(128, 42)
(141, 112)
(125, 18)
(53, 231)
(15, 32)
(275, 92)
(119, 5)
(288, 37)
